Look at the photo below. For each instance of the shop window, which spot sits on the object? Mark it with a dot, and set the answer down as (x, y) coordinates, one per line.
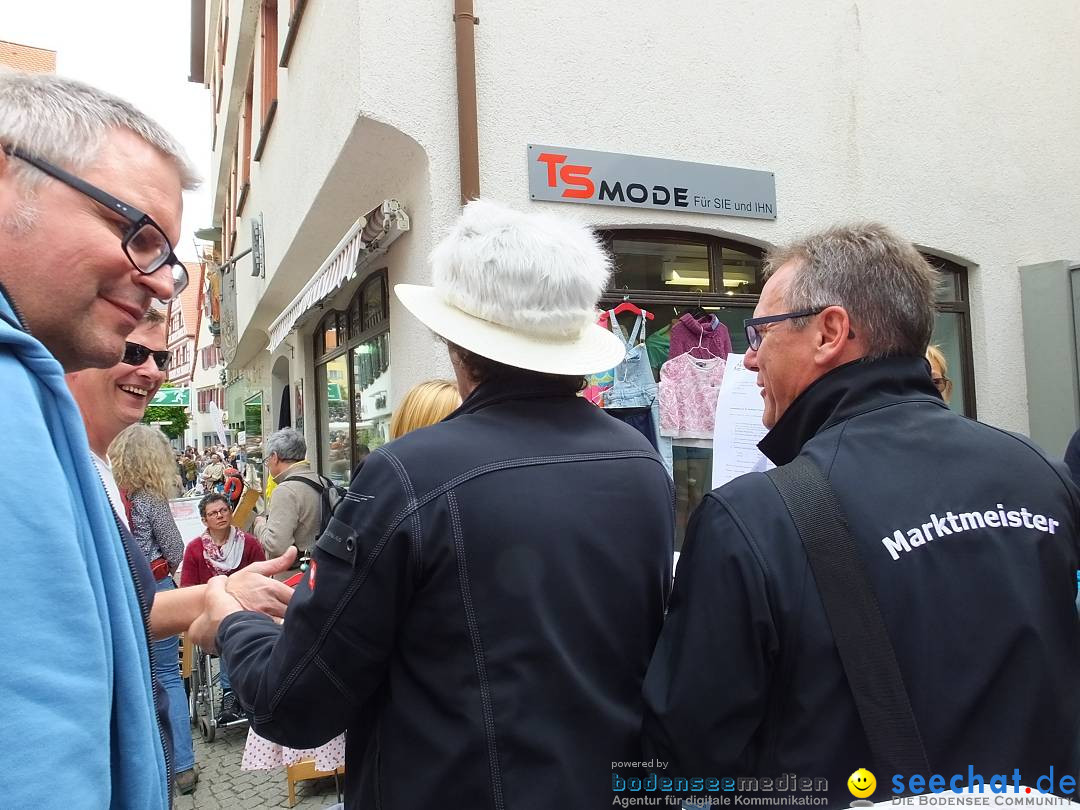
(952, 333)
(661, 265)
(371, 379)
(352, 378)
(253, 413)
(669, 274)
(332, 383)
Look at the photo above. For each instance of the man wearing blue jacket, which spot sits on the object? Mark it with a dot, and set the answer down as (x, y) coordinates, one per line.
(90, 203)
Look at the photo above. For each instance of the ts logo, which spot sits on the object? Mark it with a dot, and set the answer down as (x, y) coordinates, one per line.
(576, 178)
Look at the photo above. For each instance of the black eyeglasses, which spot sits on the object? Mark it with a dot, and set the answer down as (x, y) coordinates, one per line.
(144, 243)
(135, 354)
(754, 335)
(942, 383)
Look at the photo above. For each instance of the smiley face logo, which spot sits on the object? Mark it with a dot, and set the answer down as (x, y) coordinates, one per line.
(861, 783)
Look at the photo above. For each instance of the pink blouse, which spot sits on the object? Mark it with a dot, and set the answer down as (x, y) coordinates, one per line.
(689, 387)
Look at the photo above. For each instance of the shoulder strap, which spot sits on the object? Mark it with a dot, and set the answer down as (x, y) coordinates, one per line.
(855, 618)
(318, 487)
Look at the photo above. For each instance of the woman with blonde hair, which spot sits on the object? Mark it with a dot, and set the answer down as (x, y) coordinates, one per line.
(144, 467)
(424, 404)
(939, 367)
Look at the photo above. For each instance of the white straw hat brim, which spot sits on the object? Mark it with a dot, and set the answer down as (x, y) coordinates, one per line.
(594, 350)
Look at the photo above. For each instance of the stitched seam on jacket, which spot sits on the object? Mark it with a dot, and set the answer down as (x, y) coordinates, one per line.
(335, 614)
(362, 575)
(534, 461)
(478, 654)
(410, 493)
(334, 679)
(744, 531)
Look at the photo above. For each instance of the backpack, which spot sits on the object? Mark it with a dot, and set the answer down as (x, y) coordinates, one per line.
(331, 495)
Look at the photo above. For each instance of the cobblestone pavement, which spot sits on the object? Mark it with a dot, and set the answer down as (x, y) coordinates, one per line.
(223, 786)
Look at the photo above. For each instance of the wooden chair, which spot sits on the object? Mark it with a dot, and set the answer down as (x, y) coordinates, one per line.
(187, 655)
(305, 770)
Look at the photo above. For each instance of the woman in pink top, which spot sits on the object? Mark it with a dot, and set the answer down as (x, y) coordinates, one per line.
(221, 549)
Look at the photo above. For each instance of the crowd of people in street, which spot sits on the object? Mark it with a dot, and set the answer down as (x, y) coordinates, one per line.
(490, 613)
(206, 472)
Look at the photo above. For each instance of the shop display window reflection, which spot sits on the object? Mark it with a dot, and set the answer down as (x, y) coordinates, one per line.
(352, 378)
(371, 409)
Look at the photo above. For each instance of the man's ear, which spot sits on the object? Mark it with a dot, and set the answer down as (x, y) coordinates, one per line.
(835, 336)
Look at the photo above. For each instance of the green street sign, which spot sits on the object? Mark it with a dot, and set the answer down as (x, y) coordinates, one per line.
(175, 397)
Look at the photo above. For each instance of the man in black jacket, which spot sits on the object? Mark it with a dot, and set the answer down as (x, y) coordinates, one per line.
(968, 535)
(481, 610)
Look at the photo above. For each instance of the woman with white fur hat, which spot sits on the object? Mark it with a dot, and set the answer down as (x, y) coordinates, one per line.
(481, 611)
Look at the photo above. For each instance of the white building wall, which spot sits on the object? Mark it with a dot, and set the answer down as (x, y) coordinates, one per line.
(201, 423)
(954, 123)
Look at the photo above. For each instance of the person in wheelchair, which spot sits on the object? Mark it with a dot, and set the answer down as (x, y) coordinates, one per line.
(220, 550)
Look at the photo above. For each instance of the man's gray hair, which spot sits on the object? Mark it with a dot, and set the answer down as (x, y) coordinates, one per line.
(66, 122)
(288, 443)
(883, 282)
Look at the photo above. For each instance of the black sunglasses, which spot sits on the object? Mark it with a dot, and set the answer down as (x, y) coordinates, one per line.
(135, 354)
(144, 243)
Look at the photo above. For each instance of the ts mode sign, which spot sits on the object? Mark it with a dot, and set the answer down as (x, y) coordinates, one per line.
(558, 174)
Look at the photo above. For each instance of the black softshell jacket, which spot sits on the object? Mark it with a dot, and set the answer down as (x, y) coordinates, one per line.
(480, 612)
(969, 535)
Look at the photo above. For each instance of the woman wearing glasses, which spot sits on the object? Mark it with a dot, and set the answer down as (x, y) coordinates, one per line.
(939, 367)
(220, 550)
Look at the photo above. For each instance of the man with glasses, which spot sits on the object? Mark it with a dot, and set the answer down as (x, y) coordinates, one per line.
(90, 203)
(967, 536)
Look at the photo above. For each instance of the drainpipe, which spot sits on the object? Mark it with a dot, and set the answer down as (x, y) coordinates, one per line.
(468, 149)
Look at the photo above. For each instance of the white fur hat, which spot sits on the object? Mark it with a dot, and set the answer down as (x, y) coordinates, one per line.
(520, 289)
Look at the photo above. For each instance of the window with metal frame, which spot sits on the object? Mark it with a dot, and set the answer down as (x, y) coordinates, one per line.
(669, 273)
(352, 377)
(952, 333)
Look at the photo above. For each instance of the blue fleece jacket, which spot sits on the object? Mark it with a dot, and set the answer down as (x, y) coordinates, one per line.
(79, 724)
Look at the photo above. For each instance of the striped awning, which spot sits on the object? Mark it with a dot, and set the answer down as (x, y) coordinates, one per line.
(365, 237)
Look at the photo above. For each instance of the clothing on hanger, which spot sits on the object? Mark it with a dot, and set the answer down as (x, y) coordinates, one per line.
(658, 346)
(689, 334)
(634, 385)
(688, 390)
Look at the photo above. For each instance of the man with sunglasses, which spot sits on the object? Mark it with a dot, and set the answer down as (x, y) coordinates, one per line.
(966, 536)
(90, 204)
(111, 399)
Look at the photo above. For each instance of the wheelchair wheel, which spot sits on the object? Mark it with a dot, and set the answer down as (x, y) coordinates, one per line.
(207, 729)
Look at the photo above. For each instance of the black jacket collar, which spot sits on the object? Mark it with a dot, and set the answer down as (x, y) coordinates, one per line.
(508, 386)
(844, 392)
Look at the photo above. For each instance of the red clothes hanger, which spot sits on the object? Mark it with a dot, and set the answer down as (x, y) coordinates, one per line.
(625, 306)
